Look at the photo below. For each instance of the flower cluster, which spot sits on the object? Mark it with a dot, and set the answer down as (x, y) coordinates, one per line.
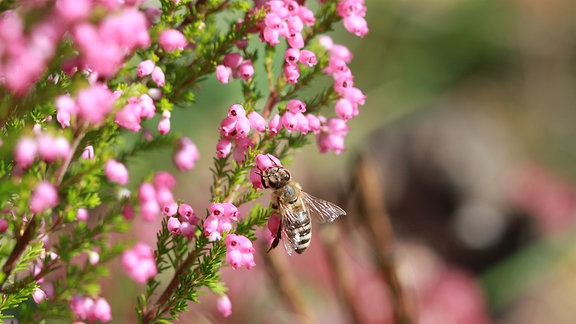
(156, 195)
(130, 116)
(285, 19)
(48, 147)
(353, 13)
(239, 251)
(104, 46)
(139, 263)
(236, 66)
(182, 219)
(91, 105)
(92, 310)
(220, 220)
(148, 67)
(235, 127)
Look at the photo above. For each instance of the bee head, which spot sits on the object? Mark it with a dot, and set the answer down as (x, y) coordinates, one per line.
(275, 177)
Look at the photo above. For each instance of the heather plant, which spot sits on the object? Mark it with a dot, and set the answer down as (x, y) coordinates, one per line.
(76, 76)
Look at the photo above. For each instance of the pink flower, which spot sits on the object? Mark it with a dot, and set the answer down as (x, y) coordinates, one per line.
(224, 306)
(228, 126)
(88, 153)
(348, 8)
(274, 125)
(291, 73)
(242, 146)
(116, 172)
(158, 76)
(302, 123)
(239, 251)
(81, 306)
(129, 117)
(211, 228)
(308, 58)
(232, 60)
(145, 68)
(256, 178)
(355, 96)
(44, 196)
(148, 109)
(187, 212)
(174, 225)
(164, 123)
(265, 161)
(171, 40)
(236, 111)
(163, 179)
(170, 209)
(73, 10)
(139, 263)
(3, 225)
(94, 103)
(242, 127)
(38, 295)
(257, 121)
(292, 56)
(82, 214)
(289, 121)
(296, 40)
(344, 109)
(223, 74)
(101, 311)
(296, 106)
(356, 25)
(149, 210)
(65, 109)
(246, 70)
(223, 147)
(51, 149)
(273, 223)
(186, 154)
(25, 152)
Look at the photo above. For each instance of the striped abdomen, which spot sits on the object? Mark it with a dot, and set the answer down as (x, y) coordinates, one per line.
(299, 230)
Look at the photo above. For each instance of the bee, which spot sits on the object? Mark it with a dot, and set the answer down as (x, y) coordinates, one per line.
(296, 209)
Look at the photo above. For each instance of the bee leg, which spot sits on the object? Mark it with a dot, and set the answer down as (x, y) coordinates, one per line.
(276, 239)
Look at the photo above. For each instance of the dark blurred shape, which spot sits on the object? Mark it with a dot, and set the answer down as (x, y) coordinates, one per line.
(446, 172)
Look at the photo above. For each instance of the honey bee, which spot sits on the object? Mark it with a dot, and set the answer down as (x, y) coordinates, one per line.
(295, 208)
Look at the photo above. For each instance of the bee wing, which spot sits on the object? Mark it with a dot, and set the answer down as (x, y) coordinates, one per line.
(321, 209)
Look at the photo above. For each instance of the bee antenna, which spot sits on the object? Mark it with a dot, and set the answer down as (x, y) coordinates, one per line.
(275, 164)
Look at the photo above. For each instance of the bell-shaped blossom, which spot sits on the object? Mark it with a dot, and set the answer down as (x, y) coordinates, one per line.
(257, 121)
(129, 117)
(291, 73)
(246, 70)
(223, 74)
(116, 172)
(170, 209)
(224, 306)
(145, 68)
(139, 264)
(242, 127)
(274, 125)
(164, 124)
(174, 225)
(308, 58)
(88, 153)
(44, 196)
(94, 103)
(38, 295)
(292, 56)
(25, 152)
(344, 109)
(171, 40)
(236, 111)
(186, 154)
(158, 76)
(223, 147)
(296, 106)
(187, 213)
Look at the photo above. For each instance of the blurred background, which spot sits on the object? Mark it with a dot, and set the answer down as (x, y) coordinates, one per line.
(458, 178)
